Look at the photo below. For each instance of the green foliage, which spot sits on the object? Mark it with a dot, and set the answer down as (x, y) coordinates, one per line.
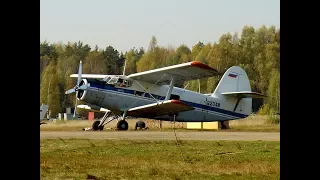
(48, 50)
(272, 115)
(274, 118)
(112, 60)
(49, 90)
(132, 57)
(273, 91)
(264, 110)
(94, 63)
(153, 43)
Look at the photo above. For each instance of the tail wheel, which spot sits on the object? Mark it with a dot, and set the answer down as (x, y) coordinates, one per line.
(95, 126)
(122, 125)
(140, 125)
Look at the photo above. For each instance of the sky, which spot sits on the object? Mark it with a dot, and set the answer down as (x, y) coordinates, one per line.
(126, 24)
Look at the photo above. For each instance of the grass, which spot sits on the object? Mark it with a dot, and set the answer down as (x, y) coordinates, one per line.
(251, 123)
(142, 159)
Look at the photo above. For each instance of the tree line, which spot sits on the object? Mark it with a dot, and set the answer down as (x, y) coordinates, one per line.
(257, 51)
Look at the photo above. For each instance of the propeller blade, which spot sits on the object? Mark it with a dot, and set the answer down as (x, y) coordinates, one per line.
(79, 79)
(79, 73)
(70, 91)
(75, 106)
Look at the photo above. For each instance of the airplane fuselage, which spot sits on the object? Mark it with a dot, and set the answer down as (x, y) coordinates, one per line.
(117, 99)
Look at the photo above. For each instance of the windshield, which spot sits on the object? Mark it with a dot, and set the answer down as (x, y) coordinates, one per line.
(113, 80)
(106, 79)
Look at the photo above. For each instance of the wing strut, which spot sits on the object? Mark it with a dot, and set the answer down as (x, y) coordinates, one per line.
(150, 87)
(170, 88)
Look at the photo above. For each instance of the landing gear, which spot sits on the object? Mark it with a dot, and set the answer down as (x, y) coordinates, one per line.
(122, 125)
(96, 127)
(140, 125)
(99, 125)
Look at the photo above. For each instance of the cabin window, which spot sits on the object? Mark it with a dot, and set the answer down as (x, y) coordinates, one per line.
(124, 83)
(140, 93)
(119, 82)
(127, 82)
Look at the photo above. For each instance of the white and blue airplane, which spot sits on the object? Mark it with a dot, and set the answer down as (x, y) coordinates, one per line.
(151, 94)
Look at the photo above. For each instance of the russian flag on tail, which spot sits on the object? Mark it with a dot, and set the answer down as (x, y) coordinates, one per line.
(233, 75)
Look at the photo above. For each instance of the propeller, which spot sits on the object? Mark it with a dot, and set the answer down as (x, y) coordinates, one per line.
(77, 87)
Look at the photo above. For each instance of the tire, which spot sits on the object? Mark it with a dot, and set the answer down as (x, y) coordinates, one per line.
(101, 128)
(122, 125)
(140, 125)
(95, 126)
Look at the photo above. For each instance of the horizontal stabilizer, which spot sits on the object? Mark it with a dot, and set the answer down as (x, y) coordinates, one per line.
(244, 94)
(159, 109)
(92, 108)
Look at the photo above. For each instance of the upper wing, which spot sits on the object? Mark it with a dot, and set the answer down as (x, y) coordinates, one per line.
(159, 109)
(93, 76)
(245, 94)
(182, 72)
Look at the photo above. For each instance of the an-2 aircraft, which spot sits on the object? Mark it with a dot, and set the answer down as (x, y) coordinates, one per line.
(151, 94)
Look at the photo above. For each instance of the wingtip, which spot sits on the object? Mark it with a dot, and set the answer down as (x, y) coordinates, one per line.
(201, 65)
(177, 102)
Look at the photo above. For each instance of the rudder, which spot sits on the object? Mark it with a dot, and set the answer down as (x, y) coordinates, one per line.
(235, 79)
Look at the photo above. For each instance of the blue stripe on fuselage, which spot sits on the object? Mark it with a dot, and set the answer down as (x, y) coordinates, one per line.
(201, 106)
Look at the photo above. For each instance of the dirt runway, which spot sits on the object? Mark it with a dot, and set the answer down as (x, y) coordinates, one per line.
(149, 135)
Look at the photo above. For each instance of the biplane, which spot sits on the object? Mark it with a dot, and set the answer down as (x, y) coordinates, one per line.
(152, 94)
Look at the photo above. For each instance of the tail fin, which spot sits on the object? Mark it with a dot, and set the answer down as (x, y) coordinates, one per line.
(234, 88)
(235, 79)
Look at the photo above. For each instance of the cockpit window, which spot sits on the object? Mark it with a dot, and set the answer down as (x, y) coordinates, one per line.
(113, 80)
(106, 79)
(119, 82)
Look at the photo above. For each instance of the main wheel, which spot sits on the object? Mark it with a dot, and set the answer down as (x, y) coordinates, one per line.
(122, 125)
(95, 126)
